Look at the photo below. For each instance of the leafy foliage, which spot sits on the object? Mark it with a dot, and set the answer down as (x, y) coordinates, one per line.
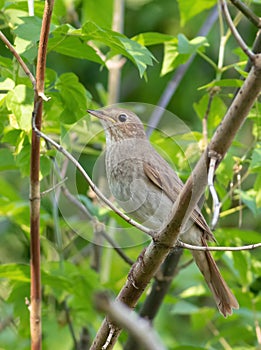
(76, 261)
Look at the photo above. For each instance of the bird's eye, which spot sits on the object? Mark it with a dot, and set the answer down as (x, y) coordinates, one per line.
(122, 118)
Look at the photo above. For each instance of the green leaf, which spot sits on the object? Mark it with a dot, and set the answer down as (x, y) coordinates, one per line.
(257, 188)
(5, 62)
(29, 29)
(6, 84)
(172, 59)
(20, 102)
(249, 199)
(241, 263)
(137, 53)
(73, 46)
(152, 38)
(23, 157)
(223, 83)
(15, 272)
(255, 164)
(27, 36)
(118, 43)
(184, 308)
(178, 50)
(6, 160)
(8, 191)
(73, 96)
(50, 78)
(73, 43)
(186, 46)
(98, 11)
(45, 166)
(193, 291)
(190, 8)
(200, 319)
(216, 112)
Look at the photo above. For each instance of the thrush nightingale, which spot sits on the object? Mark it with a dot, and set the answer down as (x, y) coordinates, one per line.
(146, 187)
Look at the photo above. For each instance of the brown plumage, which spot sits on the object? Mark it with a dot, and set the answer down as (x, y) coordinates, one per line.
(146, 187)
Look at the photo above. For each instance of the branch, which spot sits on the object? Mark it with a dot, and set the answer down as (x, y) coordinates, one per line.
(159, 289)
(90, 182)
(35, 313)
(150, 260)
(98, 226)
(19, 59)
(124, 317)
(247, 12)
(234, 31)
(223, 249)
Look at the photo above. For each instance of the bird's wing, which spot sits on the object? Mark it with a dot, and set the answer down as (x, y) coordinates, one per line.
(171, 185)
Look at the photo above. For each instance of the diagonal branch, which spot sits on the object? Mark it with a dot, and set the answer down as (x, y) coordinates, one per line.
(247, 12)
(19, 59)
(234, 31)
(150, 261)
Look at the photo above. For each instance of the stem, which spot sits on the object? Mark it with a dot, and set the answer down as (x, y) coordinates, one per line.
(115, 64)
(35, 315)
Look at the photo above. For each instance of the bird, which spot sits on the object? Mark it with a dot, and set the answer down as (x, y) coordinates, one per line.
(146, 187)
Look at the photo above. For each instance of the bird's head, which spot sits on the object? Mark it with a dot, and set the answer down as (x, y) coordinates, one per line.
(119, 124)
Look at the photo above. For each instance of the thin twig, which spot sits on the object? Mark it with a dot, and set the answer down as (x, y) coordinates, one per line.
(19, 59)
(44, 193)
(69, 322)
(94, 221)
(223, 249)
(119, 251)
(90, 182)
(221, 339)
(232, 188)
(247, 12)
(98, 226)
(234, 31)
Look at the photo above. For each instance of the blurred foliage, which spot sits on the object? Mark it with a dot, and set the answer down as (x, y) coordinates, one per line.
(76, 260)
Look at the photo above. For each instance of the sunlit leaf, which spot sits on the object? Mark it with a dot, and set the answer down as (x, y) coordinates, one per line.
(73, 96)
(20, 102)
(190, 8)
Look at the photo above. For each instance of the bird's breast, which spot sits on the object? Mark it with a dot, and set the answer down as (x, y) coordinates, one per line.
(131, 188)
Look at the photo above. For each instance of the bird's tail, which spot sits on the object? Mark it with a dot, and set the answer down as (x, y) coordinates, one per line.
(223, 296)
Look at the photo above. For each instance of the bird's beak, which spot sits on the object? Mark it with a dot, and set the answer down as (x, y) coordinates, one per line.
(101, 114)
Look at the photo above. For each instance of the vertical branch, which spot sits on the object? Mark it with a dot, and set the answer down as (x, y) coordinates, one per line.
(115, 64)
(35, 309)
